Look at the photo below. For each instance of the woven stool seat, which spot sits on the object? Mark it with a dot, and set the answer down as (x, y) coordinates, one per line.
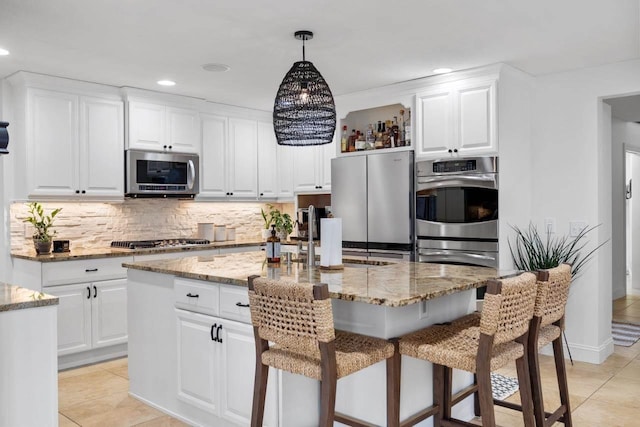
(353, 353)
(548, 334)
(478, 343)
(294, 332)
(456, 347)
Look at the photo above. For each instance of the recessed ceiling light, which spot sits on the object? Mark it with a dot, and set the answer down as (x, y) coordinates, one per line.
(216, 68)
(443, 70)
(3, 52)
(166, 83)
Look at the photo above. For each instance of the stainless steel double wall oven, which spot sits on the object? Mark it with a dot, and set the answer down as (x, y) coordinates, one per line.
(457, 211)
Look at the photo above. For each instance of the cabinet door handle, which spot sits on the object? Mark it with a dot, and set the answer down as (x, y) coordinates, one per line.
(455, 150)
(95, 291)
(450, 150)
(90, 270)
(218, 334)
(83, 191)
(190, 295)
(170, 147)
(165, 147)
(212, 328)
(239, 304)
(77, 191)
(88, 292)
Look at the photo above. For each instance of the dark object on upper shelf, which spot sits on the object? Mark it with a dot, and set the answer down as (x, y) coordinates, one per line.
(4, 138)
(157, 243)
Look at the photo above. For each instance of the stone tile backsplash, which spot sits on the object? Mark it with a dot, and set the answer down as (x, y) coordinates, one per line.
(92, 225)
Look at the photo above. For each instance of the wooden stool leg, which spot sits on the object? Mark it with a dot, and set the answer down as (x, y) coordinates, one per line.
(438, 393)
(522, 366)
(328, 383)
(536, 386)
(561, 373)
(476, 400)
(393, 386)
(485, 397)
(259, 394)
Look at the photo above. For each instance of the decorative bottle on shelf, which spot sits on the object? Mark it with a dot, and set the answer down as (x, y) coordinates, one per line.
(407, 130)
(344, 140)
(352, 141)
(370, 138)
(273, 247)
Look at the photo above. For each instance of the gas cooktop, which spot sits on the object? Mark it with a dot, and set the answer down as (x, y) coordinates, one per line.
(157, 243)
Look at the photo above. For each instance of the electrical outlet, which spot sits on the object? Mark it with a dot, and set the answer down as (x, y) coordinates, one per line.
(28, 230)
(550, 225)
(575, 227)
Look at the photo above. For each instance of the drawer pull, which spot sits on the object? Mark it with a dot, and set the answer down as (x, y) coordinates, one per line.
(91, 270)
(190, 295)
(218, 334)
(239, 304)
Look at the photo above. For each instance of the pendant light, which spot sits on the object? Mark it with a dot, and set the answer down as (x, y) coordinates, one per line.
(304, 112)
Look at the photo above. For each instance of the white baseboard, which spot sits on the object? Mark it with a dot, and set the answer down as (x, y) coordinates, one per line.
(585, 353)
(92, 356)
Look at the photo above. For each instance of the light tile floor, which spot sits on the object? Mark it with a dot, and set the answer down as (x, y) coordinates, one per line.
(601, 395)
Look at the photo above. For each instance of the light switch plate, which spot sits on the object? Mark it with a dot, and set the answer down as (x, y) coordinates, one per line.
(549, 225)
(575, 227)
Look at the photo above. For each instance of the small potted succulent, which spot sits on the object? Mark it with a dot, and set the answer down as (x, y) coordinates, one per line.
(43, 235)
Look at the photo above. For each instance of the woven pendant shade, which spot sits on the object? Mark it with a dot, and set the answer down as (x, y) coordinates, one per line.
(304, 112)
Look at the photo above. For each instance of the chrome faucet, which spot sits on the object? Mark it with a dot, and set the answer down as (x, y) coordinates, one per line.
(311, 252)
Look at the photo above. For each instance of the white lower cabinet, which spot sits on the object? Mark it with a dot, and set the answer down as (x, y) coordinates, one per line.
(216, 363)
(91, 315)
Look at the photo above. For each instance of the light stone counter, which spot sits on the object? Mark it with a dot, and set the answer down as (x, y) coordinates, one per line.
(17, 298)
(390, 283)
(75, 254)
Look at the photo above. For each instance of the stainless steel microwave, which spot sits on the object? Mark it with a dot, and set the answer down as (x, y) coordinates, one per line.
(156, 174)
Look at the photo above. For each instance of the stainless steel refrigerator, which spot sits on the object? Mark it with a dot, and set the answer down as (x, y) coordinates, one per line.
(374, 195)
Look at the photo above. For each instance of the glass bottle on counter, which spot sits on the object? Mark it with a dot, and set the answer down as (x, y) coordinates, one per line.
(345, 139)
(273, 247)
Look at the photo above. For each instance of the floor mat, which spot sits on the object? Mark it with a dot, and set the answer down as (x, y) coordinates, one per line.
(502, 386)
(624, 334)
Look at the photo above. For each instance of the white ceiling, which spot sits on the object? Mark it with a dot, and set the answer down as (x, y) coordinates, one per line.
(358, 44)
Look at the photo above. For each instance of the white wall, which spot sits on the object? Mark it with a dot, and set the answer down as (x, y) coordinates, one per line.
(572, 180)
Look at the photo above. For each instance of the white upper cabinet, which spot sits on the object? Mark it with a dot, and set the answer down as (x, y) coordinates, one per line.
(74, 146)
(457, 118)
(52, 143)
(243, 158)
(312, 168)
(159, 127)
(101, 147)
(213, 163)
(267, 162)
(229, 162)
(285, 171)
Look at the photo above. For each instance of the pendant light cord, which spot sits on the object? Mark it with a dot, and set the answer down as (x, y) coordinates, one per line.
(303, 40)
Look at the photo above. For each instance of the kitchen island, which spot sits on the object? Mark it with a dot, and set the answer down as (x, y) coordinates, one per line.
(28, 362)
(191, 350)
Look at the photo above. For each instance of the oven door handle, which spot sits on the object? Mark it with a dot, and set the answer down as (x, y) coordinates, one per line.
(191, 178)
(478, 180)
(454, 256)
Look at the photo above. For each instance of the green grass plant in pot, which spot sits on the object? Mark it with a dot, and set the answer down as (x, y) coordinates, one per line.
(43, 234)
(530, 252)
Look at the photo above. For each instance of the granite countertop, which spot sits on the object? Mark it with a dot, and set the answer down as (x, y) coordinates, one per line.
(391, 283)
(30, 253)
(17, 298)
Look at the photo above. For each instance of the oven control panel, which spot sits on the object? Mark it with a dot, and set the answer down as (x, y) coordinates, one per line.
(460, 166)
(454, 166)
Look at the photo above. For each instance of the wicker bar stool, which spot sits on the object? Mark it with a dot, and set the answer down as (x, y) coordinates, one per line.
(500, 336)
(546, 327)
(298, 319)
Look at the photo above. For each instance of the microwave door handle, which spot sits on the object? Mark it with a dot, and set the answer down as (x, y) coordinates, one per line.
(192, 174)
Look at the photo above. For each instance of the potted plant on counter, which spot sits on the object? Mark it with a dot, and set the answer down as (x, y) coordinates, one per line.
(282, 221)
(42, 237)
